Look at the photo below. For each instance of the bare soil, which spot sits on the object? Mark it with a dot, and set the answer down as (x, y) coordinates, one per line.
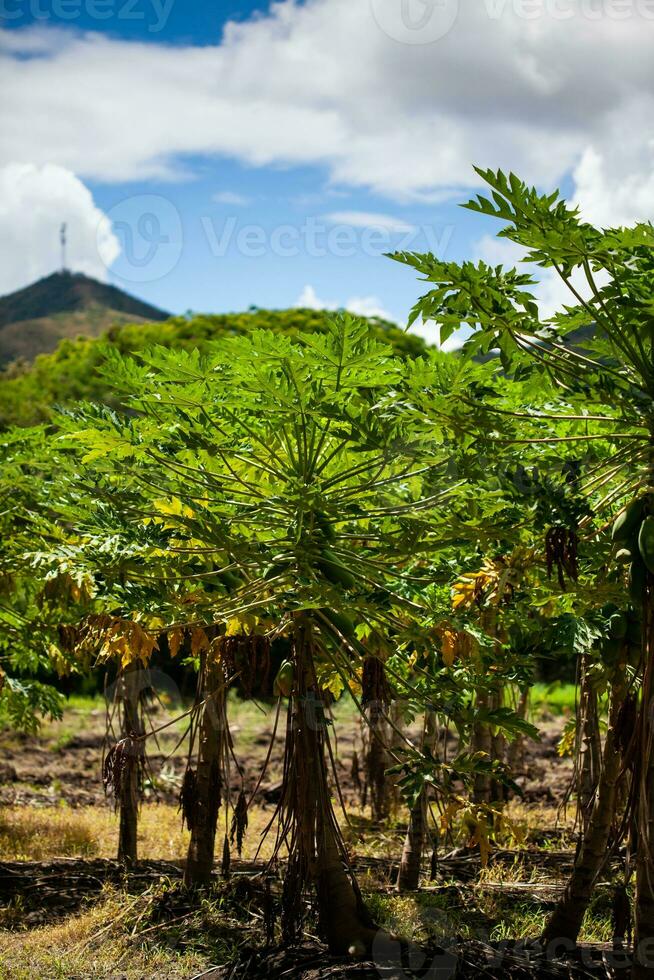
(65, 765)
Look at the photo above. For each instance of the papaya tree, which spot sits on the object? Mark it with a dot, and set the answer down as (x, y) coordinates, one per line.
(273, 489)
(290, 467)
(599, 353)
(31, 610)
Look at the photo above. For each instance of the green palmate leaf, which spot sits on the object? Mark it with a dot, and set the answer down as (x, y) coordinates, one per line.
(268, 477)
(508, 722)
(21, 702)
(573, 635)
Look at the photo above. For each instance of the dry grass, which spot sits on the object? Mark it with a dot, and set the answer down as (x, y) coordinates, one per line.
(30, 834)
(536, 818)
(93, 944)
(106, 940)
(39, 834)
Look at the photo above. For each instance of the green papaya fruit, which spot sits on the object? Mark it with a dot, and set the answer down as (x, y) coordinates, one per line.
(274, 570)
(230, 581)
(617, 629)
(646, 543)
(624, 556)
(334, 571)
(628, 520)
(343, 623)
(283, 683)
(637, 579)
(324, 525)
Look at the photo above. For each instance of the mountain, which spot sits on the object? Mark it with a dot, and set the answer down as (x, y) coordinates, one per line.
(64, 305)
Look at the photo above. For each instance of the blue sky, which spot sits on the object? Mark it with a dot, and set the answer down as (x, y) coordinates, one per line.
(213, 156)
(190, 22)
(211, 277)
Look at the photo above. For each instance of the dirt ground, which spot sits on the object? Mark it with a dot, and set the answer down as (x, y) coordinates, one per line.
(62, 764)
(67, 910)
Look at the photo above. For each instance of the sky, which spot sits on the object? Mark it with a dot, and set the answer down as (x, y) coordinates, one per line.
(217, 156)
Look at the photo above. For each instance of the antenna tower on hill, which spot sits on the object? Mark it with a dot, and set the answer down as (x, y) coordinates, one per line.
(63, 241)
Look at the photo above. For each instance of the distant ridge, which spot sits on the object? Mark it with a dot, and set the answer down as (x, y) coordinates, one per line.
(64, 292)
(65, 304)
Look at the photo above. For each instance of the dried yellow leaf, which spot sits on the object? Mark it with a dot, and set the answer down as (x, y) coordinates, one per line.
(175, 640)
(449, 815)
(480, 838)
(449, 644)
(199, 641)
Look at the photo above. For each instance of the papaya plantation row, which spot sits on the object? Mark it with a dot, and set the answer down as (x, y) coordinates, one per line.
(318, 513)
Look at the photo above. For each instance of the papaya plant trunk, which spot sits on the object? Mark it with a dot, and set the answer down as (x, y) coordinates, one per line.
(128, 696)
(377, 762)
(588, 744)
(396, 745)
(343, 922)
(498, 751)
(408, 878)
(318, 853)
(566, 920)
(481, 740)
(487, 790)
(207, 782)
(516, 753)
(644, 776)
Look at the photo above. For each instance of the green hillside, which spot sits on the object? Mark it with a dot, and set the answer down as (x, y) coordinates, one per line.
(70, 373)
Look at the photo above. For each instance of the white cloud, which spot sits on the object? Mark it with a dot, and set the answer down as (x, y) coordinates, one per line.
(359, 305)
(610, 195)
(498, 251)
(231, 199)
(34, 202)
(371, 306)
(366, 219)
(368, 306)
(552, 294)
(308, 300)
(541, 95)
